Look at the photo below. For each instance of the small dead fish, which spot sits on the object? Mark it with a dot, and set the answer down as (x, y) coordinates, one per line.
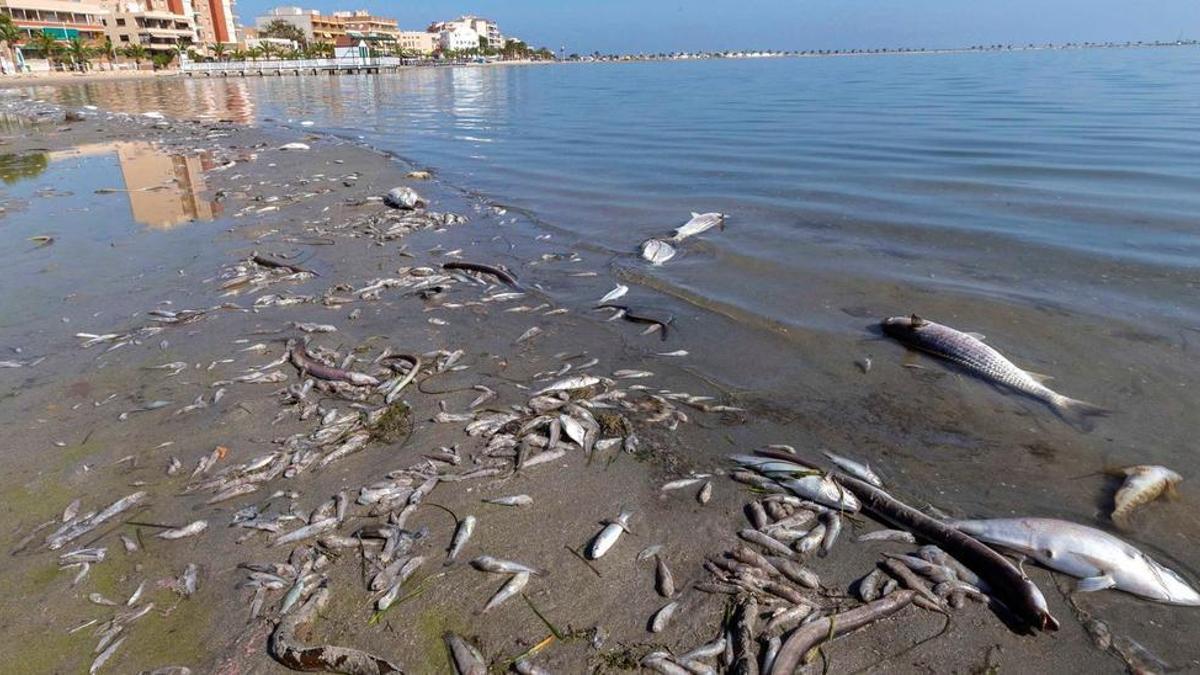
(467, 659)
(705, 493)
(902, 536)
(515, 500)
(567, 384)
(529, 334)
(649, 552)
(1143, 484)
(615, 294)
(699, 223)
(314, 327)
(664, 581)
(514, 586)
(658, 623)
(680, 484)
(105, 656)
(293, 146)
(486, 563)
(860, 470)
(189, 530)
(466, 527)
(608, 536)
(657, 251)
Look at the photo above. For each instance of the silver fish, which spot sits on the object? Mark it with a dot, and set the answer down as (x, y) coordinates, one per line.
(486, 563)
(970, 353)
(823, 490)
(608, 536)
(466, 527)
(860, 470)
(615, 294)
(663, 616)
(515, 500)
(467, 659)
(700, 222)
(664, 581)
(189, 530)
(657, 251)
(515, 585)
(1098, 559)
(576, 382)
(1143, 484)
(73, 530)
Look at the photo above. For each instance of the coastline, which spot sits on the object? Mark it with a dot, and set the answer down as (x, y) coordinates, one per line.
(280, 199)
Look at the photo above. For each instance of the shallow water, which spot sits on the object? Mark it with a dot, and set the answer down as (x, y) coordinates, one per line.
(1044, 199)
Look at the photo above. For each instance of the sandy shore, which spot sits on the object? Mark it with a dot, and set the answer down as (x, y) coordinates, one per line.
(271, 451)
(68, 77)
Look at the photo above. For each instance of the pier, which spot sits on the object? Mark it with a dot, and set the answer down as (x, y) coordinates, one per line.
(280, 67)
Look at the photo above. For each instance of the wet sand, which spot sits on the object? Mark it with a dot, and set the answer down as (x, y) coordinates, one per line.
(319, 209)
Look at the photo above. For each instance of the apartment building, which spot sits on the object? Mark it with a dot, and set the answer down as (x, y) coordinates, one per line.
(417, 42)
(328, 28)
(149, 23)
(484, 28)
(214, 19)
(361, 24)
(64, 19)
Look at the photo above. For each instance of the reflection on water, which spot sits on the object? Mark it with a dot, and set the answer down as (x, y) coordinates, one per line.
(14, 168)
(164, 189)
(212, 100)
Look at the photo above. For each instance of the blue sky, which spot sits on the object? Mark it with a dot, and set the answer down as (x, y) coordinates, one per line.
(672, 25)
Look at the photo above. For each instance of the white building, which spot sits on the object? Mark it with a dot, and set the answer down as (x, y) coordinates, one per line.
(458, 38)
(486, 28)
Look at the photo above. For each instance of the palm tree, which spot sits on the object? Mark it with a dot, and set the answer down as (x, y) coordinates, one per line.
(254, 53)
(46, 45)
(136, 52)
(267, 50)
(79, 52)
(108, 50)
(9, 34)
(162, 59)
(239, 55)
(219, 51)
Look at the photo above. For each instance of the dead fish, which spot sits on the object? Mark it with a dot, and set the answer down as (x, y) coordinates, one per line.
(657, 251)
(514, 586)
(189, 530)
(649, 552)
(1143, 484)
(680, 484)
(700, 222)
(1098, 559)
(314, 327)
(75, 529)
(487, 563)
(823, 490)
(466, 527)
(105, 656)
(903, 536)
(567, 384)
(466, 658)
(515, 500)
(970, 353)
(705, 493)
(664, 581)
(608, 536)
(615, 294)
(658, 623)
(293, 146)
(860, 470)
(529, 334)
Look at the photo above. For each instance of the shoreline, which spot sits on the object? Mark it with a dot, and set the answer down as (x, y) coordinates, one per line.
(282, 203)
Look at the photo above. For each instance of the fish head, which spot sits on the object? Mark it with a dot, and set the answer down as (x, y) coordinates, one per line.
(902, 327)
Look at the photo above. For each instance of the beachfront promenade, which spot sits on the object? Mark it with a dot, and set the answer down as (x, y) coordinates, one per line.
(350, 65)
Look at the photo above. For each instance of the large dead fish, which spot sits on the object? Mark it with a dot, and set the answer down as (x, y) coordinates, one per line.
(1143, 484)
(970, 353)
(700, 222)
(657, 251)
(1098, 559)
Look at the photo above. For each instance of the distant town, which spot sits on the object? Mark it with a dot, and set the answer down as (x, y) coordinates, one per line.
(69, 35)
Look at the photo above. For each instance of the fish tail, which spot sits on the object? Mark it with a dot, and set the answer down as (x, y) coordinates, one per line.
(1079, 414)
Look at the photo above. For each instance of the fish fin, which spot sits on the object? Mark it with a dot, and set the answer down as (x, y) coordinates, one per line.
(1078, 414)
(695, 215)
(978, 336)
(1093, 584)
(917, 321)
(1040, 378)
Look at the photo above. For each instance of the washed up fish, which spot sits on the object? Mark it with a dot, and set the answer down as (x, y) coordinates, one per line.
(657, 251)
(466, 658)
(190, 530)
(615, 294)
(515, 500)
(822, 490)
(608, 536)
(658, 623)
(314, 327)
(294, 146)
(576, 382)
(514, 586)
(970, 353)
(73, 530)
(466, 527)
(860, 470)
(1143, 484)
(700, 222)
(486, 563)
(664, 581)
(1098, 559)
(403, 198)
